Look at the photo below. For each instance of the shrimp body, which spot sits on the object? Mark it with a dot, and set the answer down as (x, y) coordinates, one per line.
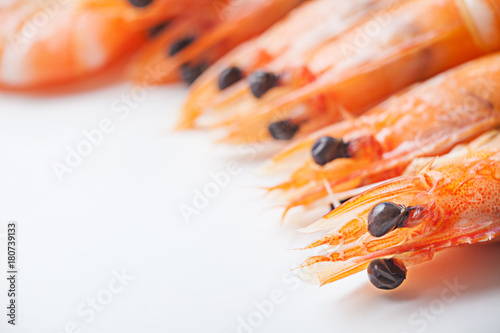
(429, 119)
(406, 43)
(451, 204)
(216, 31)
(285, 44)
(42, 45)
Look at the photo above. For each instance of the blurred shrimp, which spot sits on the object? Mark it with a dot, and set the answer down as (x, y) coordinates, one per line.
(405, 221)
(44, 43)
(285, 44)
(429, 119)
(209, 36)
(409, 42)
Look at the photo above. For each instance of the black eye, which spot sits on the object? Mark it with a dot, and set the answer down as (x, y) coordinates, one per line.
(386, 274)
(229, 76)
(385, 217)
(180, 44)
(157, 29)
(327, 149)
(283, 130)
(261, 82)
(191, 72)
(140, 3)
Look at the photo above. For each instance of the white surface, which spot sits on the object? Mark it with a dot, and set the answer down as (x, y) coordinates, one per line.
(119, 211)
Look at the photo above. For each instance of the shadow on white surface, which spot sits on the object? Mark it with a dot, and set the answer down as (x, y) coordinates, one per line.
(455, 279)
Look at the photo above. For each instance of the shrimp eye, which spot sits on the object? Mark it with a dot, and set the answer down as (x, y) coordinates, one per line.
(158, 29)
(180, 44)
(229, 76)
(327, 149)
(386, 217)
(190, 72)
(260, 82)
(140, 3)
(283, 130)
(386, 274)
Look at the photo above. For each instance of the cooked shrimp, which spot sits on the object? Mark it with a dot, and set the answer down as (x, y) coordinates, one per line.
(409, 42)
(42, 45)
(429, 119)
(149, 64)
(210, 36)
(288, 42)
(406, 220)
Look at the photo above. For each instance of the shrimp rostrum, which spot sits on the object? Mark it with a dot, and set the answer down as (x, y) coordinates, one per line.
(405, 221)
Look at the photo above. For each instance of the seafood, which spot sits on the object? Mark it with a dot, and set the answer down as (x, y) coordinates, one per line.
(286, 43)
(206, 37)
(415, 40)
(453, 200)
(42, 44)
(427, 120)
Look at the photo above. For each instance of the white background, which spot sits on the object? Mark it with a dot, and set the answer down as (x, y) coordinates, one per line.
(119, 211)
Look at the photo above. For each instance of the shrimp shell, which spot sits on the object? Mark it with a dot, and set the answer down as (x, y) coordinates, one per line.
(427, 120)
(286, 44)
(217, 29)
(415, 41)
(458, 200)
(44, 43)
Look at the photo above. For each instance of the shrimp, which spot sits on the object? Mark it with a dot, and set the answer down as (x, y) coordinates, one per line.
(405, 221)
(429, 119)
(208, 37)
(43, 44)
(288, 42)
(409, 42)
